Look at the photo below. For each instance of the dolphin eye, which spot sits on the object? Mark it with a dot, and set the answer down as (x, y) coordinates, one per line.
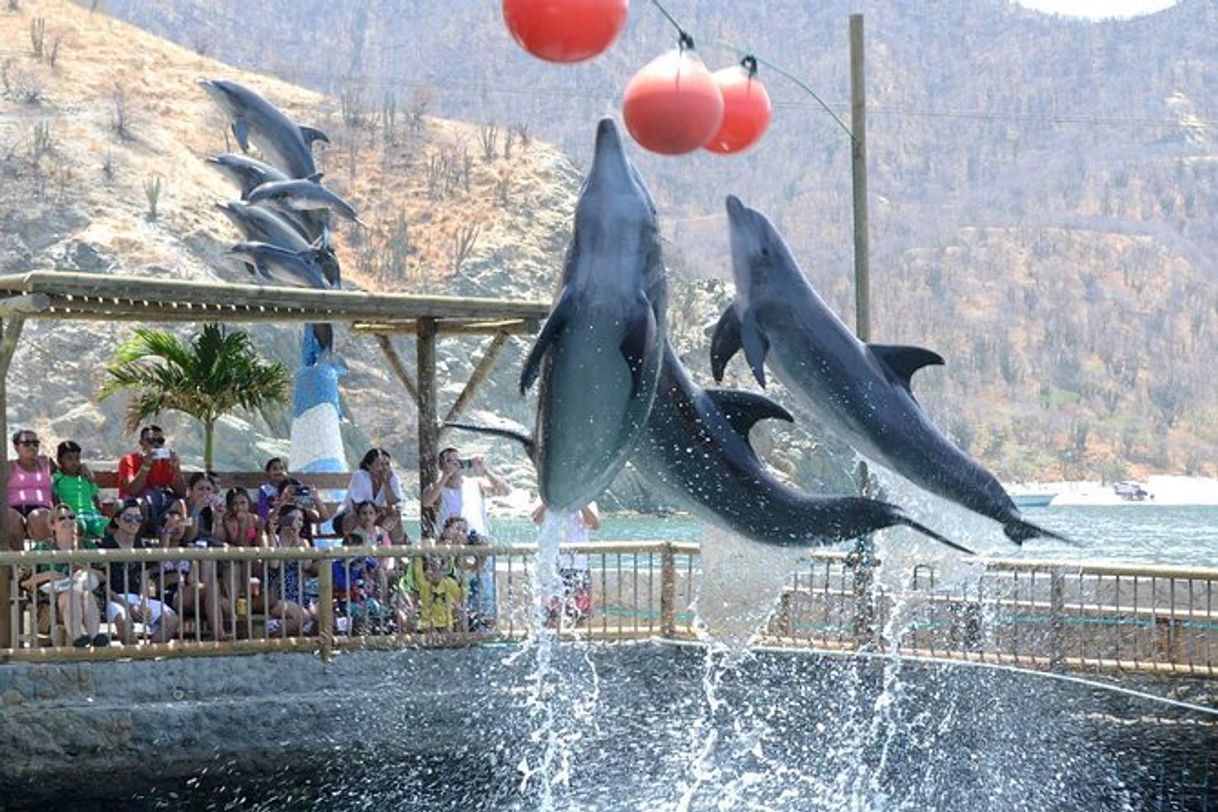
(765, 252)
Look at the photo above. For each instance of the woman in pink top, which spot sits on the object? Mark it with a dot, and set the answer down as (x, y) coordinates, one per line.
(29, 492)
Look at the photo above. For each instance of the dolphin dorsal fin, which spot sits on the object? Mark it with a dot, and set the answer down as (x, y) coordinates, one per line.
(901, 361)
(311, 134)
(315, 177)
(557, 320)
(743, 409)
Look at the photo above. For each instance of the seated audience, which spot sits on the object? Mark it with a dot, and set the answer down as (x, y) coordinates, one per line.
(153, 474)
(268, 492)
(127, 586)
(29, 492)
(75, 487)
(374, 482)
(285, 602)
(355, 590)
(73, 587)
(294, 492)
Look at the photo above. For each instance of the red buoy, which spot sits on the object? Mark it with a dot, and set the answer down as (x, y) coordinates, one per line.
(565, 30)
(746, 108)
(673, 105)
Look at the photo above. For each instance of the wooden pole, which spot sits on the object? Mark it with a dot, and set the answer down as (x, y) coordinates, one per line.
(399, 368)
(429, 435)
(481, 370)
(858, 174)
(9, 334)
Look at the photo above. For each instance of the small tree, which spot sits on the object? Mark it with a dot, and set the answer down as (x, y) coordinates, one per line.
(206, 379)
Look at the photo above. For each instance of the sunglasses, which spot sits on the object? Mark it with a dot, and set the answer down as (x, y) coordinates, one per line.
(66, 518)
(34, 443)
(131, 517)
(157, 441)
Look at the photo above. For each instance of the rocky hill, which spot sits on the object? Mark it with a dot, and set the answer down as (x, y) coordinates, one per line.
(1043, 190)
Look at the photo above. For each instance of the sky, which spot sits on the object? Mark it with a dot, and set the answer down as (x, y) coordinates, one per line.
(1098, 9)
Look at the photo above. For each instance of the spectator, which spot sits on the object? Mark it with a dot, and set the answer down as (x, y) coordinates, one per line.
(461, 490)
(294, 492)
(75, 487)
(285, 601)
(438, 602)
(374, 482)
(355, 591)
(268, 492)
(126, 585)
(238, 527)
(200, 507)
(178, 587)
(153, 474)
(29, 492)
(575, 603)
(73, 587)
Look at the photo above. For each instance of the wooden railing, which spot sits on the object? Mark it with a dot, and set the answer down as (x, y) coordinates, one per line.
(1073, 616)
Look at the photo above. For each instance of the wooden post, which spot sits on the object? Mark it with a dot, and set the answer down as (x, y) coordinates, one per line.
(668, 591)
(1057, 621)
(429, 435)
(9, 334)
(325, 609)
(858, 174)
(395, 364)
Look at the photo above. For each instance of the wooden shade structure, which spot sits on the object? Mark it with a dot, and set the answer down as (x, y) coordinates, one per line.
(49, 294)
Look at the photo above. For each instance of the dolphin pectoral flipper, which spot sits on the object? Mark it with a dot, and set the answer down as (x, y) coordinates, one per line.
(725, 342)
(926, 531)
(1020, 530)
(640, 336)
(902, 361)
(743, 409)
(756, 344)
(559, 316)
(311, 134)
(241, 132)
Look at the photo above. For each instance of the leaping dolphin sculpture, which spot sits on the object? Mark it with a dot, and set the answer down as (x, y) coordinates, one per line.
(246, 172)
(296, 268)
(859, 391)
(598, 355)
(696, 450)
(285, 144)
(304, 196)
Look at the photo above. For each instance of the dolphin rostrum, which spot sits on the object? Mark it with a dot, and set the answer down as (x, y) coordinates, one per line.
(859, 391)
(598, 355)
(248, 173)
(696, 450)
(285, 144)
(304, 195)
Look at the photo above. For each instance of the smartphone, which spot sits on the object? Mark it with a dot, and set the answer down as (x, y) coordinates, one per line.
(161, 453)
(465, 465)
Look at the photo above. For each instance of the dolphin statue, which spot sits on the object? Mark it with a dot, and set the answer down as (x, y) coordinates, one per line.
(286, 145)
(304, 195)
(246, 172)
(300, 269)
(859, 391)
(696, 450)
(259, 224)
(598, 354)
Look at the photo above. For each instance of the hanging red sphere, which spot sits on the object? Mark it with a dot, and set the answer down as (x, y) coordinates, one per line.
(673, 106)
(746, 109)
(565, 30)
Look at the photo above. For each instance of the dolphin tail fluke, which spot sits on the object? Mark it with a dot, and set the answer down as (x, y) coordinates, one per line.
(926, 531)
(496, 431)
(1020, 530)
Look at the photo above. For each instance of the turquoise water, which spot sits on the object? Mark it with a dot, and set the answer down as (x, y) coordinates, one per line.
(1132, 533)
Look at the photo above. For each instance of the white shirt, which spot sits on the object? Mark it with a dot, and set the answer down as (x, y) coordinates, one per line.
(465, 501)
(360, 490)
(576, 532)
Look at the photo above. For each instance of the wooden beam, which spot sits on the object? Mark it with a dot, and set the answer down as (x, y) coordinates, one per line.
(448, 327)
(395, 363)
(429, 435)
(481, 370)
(24, 305)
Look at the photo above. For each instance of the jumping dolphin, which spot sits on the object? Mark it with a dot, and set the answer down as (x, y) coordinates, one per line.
(696, 449)
(285, 144)
(246, 172)
(300, 269)
(304, 195)
(598, 355)
(859, 391)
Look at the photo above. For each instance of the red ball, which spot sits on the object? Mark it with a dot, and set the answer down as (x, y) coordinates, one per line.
(673, 106)
(746, 110)
(565, 30)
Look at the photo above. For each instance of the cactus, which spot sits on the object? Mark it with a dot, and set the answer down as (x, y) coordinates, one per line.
(152, 191)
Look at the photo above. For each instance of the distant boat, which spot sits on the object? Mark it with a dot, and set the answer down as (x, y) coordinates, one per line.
(1031, 496)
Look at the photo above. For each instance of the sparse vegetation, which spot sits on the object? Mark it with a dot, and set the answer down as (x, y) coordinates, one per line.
(488, 137)
(108, 166)
(503, 186)
(38, 35)
(120, 111)
(43, 144)
(464, 240)
(152, 192)
(389, 119)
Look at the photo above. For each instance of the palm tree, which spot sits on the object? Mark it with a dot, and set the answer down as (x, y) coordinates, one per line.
(216, 373)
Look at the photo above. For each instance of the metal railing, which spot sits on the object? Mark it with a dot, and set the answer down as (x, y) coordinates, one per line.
(191, 601)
